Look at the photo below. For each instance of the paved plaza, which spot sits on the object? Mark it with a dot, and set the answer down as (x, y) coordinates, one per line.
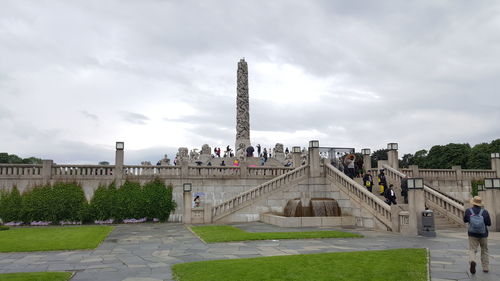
(146, 252)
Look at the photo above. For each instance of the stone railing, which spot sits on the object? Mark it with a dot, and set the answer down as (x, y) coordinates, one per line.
(216, 171)
(20, 170)
(450, 207)
(376, 206)
(82, 170)
(246, 198)
(268, 171)
(449, 174)
(141, 170)
(478, 174)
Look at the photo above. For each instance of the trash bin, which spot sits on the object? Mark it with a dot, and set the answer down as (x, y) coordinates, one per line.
(428, 226)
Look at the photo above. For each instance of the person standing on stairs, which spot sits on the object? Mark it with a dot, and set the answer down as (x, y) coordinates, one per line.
(368, 181)
(479, 220)
(404, 189)
(390, 196)
(382, 182)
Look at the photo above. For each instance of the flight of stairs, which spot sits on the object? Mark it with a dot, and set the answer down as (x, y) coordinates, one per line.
(442, 223)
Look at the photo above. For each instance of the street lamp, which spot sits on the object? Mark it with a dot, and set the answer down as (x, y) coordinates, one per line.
(365, 151)
(392, 146)
(296, 149)
(492, 183)
(314, 143)
(415, 183)
(120, 145)
(495, 155)
(187, 187)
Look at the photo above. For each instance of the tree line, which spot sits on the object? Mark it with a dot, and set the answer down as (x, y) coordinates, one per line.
(6, 158)
(446, 156)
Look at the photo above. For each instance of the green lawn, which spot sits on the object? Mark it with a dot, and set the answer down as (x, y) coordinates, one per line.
(36, 276)
(226, 233)
(399, 264)
(52, 238)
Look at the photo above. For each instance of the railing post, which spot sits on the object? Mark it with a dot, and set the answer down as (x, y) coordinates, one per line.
(296, 156)
(458, 172)
(491, 199)
(119, 156)
(314, 165)
(414, 171)
(243, 169)
(47, 170)
(416, 205)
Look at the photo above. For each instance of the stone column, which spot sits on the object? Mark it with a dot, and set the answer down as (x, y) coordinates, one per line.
(244, 169)
(207, 213)
(188, 198)
(367, 162)
(415, 171)
(242, 109)
(392, 156)
(119, 159)
(47, 170)
(416, 205)
(491, 199)
(296, 156)
(458, 171)
(314, 165)
(495, 165)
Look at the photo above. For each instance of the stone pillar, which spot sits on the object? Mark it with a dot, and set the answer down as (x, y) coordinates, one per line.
(242, 109)
(296, 156)
(381, 163)
(491, 199)
(415, 172)
(314, 165)
(416, 205)
(119, 158)
(184, 169)
(367, 162)
(188, 198)
(495, 166)
(458, 171)
(392, 156)
(244, 169)
(207, 213)
(47, 170)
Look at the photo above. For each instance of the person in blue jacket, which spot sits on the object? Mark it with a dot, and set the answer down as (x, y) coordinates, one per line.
(478, 219)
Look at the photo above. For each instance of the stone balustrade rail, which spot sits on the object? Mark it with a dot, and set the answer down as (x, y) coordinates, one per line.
(246, 198)
(451, 207)
(450, 174)
(82, 170)
(376, 206)
(20, 170)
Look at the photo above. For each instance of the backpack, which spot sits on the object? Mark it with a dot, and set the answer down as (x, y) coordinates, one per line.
(476, 223)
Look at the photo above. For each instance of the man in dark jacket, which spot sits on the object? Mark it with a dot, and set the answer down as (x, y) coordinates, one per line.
(404, 189)
(368, 180)
(477, 238)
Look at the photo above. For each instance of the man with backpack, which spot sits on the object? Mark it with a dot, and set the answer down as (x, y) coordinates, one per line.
(479, 220)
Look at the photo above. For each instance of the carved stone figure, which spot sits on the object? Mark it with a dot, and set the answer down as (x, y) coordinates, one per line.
(242, 106)
(278, 153)
(193, 154)
(206, 150)
(182, 155)
(165, 161)
(241, 151)
(146, 163)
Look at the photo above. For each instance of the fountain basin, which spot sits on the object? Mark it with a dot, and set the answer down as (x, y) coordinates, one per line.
(282, 221)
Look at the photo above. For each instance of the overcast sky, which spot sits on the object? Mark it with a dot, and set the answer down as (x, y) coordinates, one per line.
(77, 76)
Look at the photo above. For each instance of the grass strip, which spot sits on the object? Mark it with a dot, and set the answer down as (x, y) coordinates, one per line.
(52, 238)
(36, 276)
(386, 265)
(226, 233)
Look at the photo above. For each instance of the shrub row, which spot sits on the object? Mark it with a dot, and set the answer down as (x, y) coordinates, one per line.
(67, 202)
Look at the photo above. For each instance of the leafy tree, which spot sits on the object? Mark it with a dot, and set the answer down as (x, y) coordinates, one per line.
(444, 157)
(158, 200)
(103, 204)
(130, 201)
(480, 157)
(104, 163)
(10, 205)
(380, 154)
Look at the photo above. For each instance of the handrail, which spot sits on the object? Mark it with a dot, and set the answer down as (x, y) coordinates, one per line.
(241, 200)
(437, 200)
(20, 170)
(375, 205)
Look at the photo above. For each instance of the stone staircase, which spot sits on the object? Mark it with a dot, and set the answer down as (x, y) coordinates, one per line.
(247, 198)
(441, 222)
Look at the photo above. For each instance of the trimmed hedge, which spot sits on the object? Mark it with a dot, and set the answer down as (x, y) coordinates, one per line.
(67, 202)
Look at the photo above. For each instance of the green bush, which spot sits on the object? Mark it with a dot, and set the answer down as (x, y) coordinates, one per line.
(130, 201)
(158, 200)
(3, 227)
(103, 204)
(68, 202)
(11, 205)
(37, 204)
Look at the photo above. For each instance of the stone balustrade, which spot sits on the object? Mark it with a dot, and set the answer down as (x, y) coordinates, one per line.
(141, 170)
(220, 171)
(376, 206)
(20, 170)
(268, 171)
(82, 170)
(450, 208)
(449, 174)
(244, 199)
(478, 174)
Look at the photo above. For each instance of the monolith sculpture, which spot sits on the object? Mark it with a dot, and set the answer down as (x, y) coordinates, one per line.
(242, 108)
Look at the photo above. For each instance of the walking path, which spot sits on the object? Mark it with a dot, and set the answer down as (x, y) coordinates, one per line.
(146, 252)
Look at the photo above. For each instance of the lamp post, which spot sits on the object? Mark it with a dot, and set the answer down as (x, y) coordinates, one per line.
(296, 156)
(119, 158)
(495, 162)
(392, 155)
(186, 188)
(416, 203)
(367, 159)
(314, 166)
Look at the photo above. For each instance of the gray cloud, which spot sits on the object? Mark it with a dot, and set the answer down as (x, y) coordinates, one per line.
(351, 73)
(135, 118)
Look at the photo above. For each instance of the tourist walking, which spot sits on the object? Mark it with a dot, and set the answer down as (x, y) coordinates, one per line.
(349, 164)
(264, 154)
(368, 181)
(390, 196)
(478, 219)
(382, 182)
(258, 150)
(404, 189)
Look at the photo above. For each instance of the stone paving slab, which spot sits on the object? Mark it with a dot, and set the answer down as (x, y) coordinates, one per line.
(146, 252)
